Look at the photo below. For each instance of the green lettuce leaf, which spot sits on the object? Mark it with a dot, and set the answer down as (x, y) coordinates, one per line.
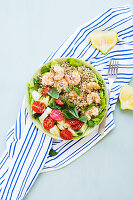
(46, 68)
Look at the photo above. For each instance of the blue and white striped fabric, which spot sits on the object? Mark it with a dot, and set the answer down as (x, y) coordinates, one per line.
(27, 148)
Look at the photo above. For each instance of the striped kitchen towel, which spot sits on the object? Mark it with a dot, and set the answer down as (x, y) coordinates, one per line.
(27, 152)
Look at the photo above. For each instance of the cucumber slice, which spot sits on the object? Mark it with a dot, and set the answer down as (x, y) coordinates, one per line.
(83, 128)
(45, 100)
(62, 122)
(45, 114)
(48, 110)
(51, 101)
(55, 131)
(42, 117)
(73, 132)
(36, 95)
(60, 126)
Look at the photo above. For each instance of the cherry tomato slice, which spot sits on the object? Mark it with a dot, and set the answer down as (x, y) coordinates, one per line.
(66, 135)
(46, 90)
(57, 115)
(72, 121)
(38, 107)
(77, 126)
(48, 123)
(59, 101)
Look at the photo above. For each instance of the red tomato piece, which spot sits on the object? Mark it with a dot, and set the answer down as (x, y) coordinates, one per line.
(46, 90)
(57, 115)
(48, 123)
(59, 101)
(72, 121)
(38, 107)
(77, 126)
(66, 135)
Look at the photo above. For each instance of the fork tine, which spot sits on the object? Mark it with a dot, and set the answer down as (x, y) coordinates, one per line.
(109, 67)
(117, 68)
(112, 68)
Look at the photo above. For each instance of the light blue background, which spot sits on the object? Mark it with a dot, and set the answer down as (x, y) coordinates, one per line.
(29, 31)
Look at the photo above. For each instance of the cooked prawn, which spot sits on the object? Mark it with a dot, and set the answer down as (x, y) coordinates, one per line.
(91, 112)
(61, 85)
(93, 85)
(74, 78)
(93, 97)
(88, 116)
(59, 72)
(48, 79)
(74, 94)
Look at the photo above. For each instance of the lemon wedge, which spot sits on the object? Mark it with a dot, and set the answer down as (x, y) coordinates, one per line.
(126, 97)
(103, 40)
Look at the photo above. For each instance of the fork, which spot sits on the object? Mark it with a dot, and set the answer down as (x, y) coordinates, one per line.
(112, 75)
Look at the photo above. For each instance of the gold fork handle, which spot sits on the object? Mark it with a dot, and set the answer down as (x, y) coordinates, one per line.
(103, 123)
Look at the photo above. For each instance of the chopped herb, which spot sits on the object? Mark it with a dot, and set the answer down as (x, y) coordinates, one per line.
(71, 114)
(83, 118)
(88, 107)
(90, 123)
(54, 93)
(66, 101)
(77, 90)
(52, 152)
(74, 112)
(36, 115)
(53, 105)
(67, 114)
(68, 88)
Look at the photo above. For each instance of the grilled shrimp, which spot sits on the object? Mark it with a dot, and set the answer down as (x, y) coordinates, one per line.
(74, 94)
(48, 79)
(91, 112)
(93, 97)
(88, 116)
(93, 85)
(59, 72)
(61, 85)
(74, 78)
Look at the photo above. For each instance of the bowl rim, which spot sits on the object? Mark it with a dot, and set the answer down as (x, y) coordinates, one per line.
(38, 124)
